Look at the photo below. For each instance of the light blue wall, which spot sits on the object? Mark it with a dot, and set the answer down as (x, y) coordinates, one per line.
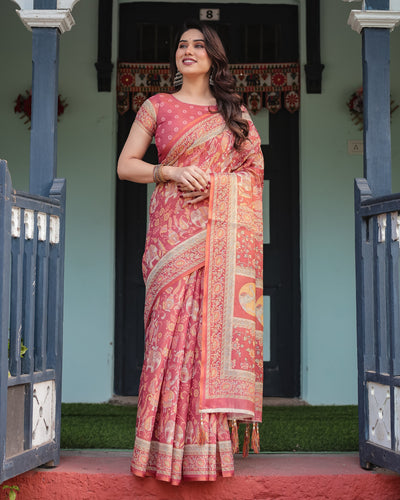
(87, 159)
(327, 237)
(87, 137)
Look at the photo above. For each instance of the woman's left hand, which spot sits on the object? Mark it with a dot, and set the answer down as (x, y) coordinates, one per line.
(192, 197)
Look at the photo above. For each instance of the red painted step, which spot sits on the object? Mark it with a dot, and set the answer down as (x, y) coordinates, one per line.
(104, 475)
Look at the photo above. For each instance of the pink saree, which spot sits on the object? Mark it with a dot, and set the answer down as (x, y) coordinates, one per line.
(203, 316)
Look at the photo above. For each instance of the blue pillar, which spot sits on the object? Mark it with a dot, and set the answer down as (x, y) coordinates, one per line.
(376, 83)
(377, 4)
(45, 4)
(376, 78)
(43, 164)
(45, 53)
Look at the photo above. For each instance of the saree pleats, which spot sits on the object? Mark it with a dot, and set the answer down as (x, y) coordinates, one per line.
(169, 425)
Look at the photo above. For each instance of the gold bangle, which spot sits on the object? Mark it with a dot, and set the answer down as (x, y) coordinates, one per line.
(158, 174)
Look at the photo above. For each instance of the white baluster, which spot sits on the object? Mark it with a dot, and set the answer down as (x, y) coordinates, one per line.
(29, 218)
(15, 222)
(42, 226)
(54, 229)
(382, 222)
(395, 226)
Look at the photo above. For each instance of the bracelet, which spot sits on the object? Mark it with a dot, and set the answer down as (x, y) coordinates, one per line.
(158, 174)
(156, 177)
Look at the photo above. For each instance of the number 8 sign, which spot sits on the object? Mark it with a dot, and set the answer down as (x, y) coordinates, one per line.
(209, 14)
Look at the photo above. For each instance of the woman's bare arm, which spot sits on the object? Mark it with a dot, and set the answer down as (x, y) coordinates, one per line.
(131, 167)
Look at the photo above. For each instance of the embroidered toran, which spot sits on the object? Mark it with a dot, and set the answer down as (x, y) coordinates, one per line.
(261, 85)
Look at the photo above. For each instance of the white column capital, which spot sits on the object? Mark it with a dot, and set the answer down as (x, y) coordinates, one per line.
(360, 19)
(56, 18)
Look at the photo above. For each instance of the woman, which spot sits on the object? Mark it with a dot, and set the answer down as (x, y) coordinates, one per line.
(202, 267)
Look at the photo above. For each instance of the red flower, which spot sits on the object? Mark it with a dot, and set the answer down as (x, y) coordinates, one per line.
(23, 105)
(27, 106)
(356, 102)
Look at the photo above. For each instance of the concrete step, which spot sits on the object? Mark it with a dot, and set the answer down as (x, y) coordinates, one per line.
(105, 475)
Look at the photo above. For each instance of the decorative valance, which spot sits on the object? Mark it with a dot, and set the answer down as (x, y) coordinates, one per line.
(261, 85)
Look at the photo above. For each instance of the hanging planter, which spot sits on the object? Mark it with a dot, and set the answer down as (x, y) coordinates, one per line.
(23, 105)
(356, 107)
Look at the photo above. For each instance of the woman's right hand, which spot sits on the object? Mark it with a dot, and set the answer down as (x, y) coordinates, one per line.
(190, 178)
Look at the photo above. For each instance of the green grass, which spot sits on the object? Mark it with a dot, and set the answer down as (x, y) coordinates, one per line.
(284, 429)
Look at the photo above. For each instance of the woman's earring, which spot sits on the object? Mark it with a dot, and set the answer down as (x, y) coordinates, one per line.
(178, 79)
(211, 80)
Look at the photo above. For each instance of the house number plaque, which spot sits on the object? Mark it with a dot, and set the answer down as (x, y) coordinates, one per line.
(209, 14)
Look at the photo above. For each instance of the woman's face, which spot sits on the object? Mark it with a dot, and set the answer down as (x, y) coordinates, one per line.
(191, 56)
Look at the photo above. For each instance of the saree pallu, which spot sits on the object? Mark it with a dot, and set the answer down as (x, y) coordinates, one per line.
(203, 316)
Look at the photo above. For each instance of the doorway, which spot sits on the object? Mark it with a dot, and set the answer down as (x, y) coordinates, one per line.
(251, 34)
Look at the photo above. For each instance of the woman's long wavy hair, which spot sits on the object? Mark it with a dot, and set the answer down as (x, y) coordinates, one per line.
(228, 101)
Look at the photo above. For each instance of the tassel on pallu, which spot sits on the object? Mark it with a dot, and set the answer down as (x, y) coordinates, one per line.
(254, 441)
(246, 442)
(235, 437)
(255, 438)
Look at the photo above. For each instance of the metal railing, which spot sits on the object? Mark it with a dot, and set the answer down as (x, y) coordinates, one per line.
(31, 326)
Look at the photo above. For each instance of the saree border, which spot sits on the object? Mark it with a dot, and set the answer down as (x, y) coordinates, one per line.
(224, 385)
(220, 453)
(181, 260)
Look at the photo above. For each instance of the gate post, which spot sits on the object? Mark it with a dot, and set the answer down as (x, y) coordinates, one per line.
(376, 83)
(43, 155)
(46, 20)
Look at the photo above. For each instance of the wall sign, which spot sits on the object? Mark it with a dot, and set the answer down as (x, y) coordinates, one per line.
(209, 14)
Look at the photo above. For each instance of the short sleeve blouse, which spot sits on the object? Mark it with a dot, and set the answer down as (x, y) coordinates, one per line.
(166, 118)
